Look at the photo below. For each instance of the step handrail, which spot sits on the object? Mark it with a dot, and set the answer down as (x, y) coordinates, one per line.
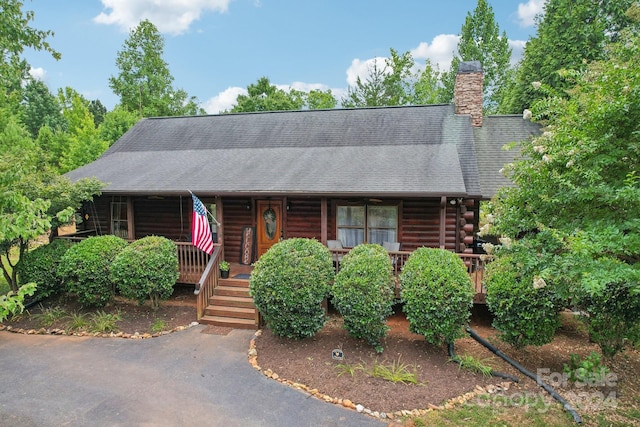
(208, 282)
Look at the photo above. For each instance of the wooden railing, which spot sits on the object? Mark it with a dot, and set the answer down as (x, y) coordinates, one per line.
(208, 281)
(474, 263)
(192, 262)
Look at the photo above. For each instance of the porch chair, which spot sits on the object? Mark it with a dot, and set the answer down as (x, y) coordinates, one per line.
(392, 247)
(335, 244)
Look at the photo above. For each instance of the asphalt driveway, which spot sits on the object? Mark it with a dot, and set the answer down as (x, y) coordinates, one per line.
(187, 378)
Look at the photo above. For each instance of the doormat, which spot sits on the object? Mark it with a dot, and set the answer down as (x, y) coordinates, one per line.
(242, 276)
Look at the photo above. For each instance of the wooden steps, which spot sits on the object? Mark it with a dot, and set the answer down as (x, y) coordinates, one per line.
(231, 306)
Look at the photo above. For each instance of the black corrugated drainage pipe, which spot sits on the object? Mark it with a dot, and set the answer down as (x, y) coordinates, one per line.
(455, 359)
(548, 389)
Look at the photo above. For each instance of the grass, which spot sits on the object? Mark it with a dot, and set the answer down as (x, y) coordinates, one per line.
(471, 364)
(394, 371)
(49, 316)
(104, 322)
(78, 322)
(495, 413)
(158, 325)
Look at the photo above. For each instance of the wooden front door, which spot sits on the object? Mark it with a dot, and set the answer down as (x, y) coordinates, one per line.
(269, 224)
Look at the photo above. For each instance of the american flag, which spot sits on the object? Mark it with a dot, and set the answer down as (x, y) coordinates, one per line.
(200, 229)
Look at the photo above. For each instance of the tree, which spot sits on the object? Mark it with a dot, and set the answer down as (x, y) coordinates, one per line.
(144, 83)
(16, 35)
(319, 100)
(25, 213)
(571, 33)
(388, 85)
(264, 96)
(116, 122)
(577, 195)
(428, 88)
(98, 111)
(84, 144)
(481, 40)
(41, 108)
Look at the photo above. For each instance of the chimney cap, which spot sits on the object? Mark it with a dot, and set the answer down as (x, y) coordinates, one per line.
(469, 67)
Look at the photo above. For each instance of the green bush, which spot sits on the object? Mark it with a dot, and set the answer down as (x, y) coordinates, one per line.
(613, 317)
(84, 269)
(363, 293)
(437, 294)
(40, 266)
(525, 309)
(289, 283)
(147, 268)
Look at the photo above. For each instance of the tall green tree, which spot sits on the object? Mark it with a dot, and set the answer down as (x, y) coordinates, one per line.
(27, 211)
(264, 96)
(16, 35)
(388, 84)
(577, 196)
(481, 40)
(41, 108)
(84, 144)
(116, 122)
(144, 83)
(97, 110)
(571, 33)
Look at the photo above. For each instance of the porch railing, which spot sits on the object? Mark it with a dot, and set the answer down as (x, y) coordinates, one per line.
(192, 262)
(207, 282)
(474, 263)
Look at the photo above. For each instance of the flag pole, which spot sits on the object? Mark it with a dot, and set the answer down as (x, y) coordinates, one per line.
(207, 210)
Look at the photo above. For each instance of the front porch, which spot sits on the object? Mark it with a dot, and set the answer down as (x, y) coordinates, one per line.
(226, 302)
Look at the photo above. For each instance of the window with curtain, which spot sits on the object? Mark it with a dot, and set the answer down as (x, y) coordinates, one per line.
(119, 222)
(367, 223)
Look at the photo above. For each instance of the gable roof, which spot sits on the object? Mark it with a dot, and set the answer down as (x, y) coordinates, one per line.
(497, 131)
(416, 151)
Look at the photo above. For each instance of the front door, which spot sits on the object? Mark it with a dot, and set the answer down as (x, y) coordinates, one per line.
(269, 224)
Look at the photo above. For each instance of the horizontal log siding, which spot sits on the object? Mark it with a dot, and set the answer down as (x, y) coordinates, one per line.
(303, 219)
(235, 216)
(421, 224)
(163, 217)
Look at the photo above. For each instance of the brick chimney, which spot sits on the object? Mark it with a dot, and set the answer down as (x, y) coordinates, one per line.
(467, 92)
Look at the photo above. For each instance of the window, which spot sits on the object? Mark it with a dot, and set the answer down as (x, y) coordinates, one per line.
(212, 221)
(378, 223)
(119, 221)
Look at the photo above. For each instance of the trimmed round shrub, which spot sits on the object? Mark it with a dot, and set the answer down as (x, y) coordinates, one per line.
(40, 266)
(147, 268)
(613, 316)
(363, 293)
(289, 283)
(437, 294)
(525, 309)
(84, 269)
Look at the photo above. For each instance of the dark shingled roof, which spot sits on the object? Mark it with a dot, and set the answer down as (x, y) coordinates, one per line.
(495, 133)
(413, 151)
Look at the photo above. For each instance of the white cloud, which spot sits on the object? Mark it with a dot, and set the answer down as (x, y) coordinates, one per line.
(528, 11)
(440, 51)
(38, 73)
(170, 16)
(360, 68)
(224, 100)
(517, 50)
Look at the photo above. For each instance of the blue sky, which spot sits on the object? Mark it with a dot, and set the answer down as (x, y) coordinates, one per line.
(216, 48)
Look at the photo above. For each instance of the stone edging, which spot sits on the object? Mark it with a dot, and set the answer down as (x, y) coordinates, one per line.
(137, 335)
(252, 356)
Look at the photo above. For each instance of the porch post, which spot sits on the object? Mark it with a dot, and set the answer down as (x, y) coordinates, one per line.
(219, 216)
(323, 220)
(130, 219)
(443, 220)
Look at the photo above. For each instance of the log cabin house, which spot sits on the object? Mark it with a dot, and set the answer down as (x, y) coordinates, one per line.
(414, 175)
